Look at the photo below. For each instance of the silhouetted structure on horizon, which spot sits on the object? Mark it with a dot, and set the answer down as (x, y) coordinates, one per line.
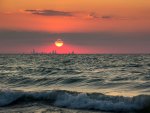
(53, 52)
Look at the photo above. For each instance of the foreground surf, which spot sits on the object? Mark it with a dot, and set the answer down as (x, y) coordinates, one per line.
(76, 100)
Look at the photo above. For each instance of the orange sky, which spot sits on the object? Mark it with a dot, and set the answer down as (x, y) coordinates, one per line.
(125, 15)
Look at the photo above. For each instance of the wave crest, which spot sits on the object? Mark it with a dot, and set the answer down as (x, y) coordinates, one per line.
(76, 100)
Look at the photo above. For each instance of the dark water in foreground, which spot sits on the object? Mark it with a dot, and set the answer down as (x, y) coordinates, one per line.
(74, 83)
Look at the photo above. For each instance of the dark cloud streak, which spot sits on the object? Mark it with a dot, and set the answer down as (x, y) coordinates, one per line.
(107, 17)
(91, 15)
(95, 16)
(50, 12)
(63, 13)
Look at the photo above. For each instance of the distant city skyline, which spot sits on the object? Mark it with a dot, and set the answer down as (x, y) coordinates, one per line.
(50, 52)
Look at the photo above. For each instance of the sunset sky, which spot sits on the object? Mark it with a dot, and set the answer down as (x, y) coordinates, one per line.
(85, 26)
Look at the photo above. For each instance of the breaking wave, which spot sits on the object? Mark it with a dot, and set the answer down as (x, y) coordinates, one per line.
(77, 100)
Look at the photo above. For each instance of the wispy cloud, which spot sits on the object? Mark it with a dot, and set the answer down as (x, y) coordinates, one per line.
(107, 17)
(49, 12)
(93, 15)
(86, 15)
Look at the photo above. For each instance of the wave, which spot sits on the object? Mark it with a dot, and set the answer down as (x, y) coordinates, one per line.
(77, 100)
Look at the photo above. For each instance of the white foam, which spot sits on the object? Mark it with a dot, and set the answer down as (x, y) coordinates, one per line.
(83, 101)
(77, 100)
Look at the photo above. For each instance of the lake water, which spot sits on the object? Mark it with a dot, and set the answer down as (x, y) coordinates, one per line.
(74, 83)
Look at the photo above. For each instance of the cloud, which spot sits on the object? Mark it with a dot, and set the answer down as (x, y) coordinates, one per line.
(107, 17)
(93, 15)
(50, 12)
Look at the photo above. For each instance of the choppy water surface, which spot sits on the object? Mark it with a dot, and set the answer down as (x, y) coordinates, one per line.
(108, 83)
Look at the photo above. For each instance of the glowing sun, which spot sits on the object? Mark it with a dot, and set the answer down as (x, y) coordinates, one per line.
(59, 43)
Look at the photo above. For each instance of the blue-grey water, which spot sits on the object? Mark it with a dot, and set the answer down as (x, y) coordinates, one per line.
(74, 83)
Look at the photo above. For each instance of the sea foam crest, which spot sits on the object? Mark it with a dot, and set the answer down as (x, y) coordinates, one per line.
(76, 100)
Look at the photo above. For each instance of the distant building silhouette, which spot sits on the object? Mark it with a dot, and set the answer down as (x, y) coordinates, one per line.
(72, 52)
(53, 52)
(33, 51)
